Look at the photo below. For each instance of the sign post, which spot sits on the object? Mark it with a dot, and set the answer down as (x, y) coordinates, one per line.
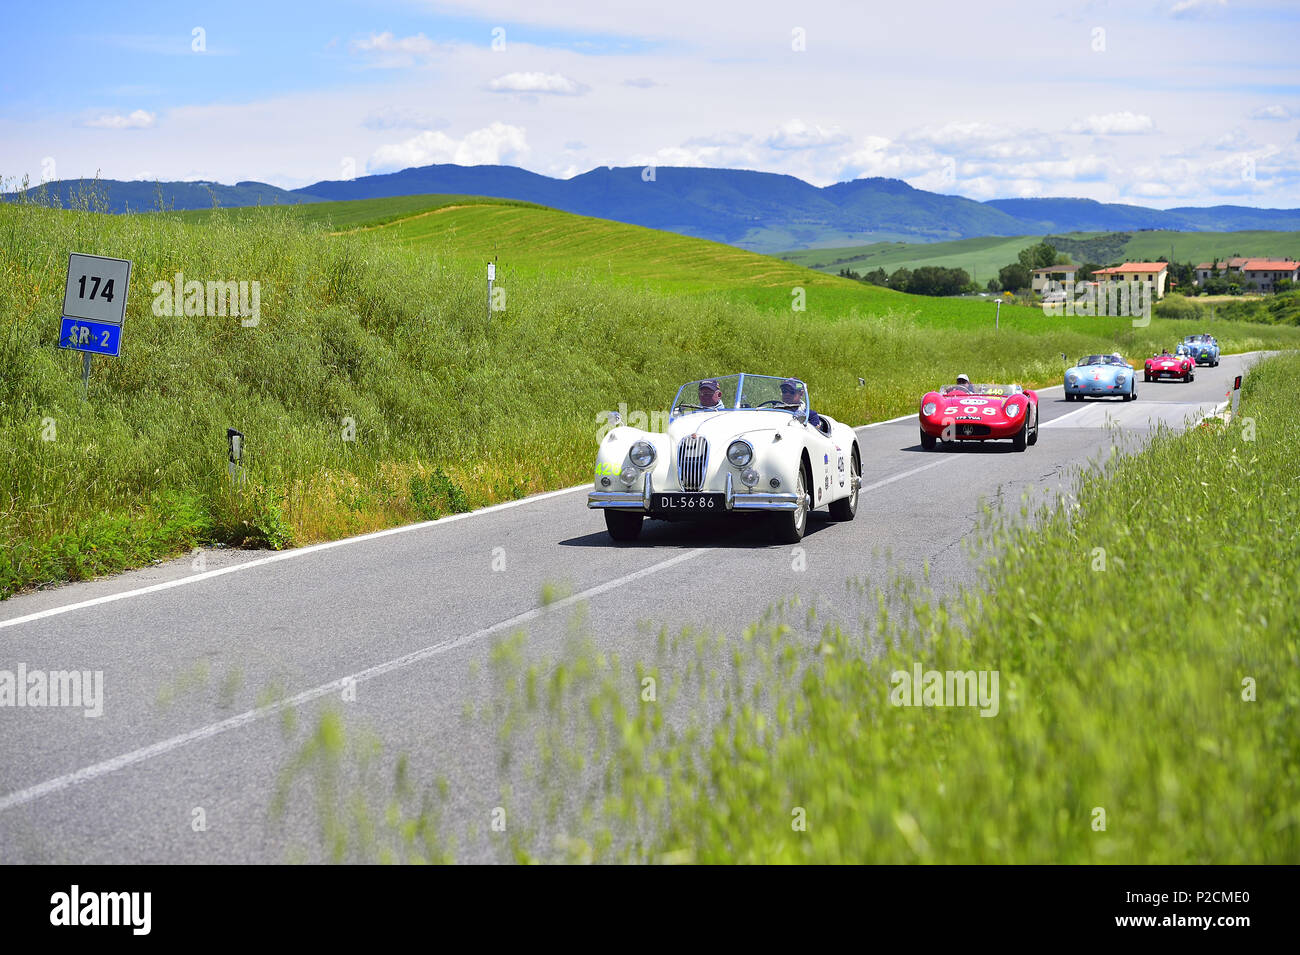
(1236, 396)
(94, 307)
(492, 277)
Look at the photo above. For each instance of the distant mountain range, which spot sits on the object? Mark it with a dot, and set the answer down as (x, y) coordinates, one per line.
(762, 211)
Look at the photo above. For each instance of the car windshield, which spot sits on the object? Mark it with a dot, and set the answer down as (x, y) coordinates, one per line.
(1097, 360)
(991, 390)
(739, 392)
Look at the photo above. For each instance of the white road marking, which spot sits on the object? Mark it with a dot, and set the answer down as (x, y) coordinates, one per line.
(95, 771)
(899, 477)
(283, 555)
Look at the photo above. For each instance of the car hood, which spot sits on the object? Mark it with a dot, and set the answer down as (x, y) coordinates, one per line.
(718, 426)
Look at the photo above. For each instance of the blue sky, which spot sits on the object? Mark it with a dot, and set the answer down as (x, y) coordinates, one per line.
(1157, 102)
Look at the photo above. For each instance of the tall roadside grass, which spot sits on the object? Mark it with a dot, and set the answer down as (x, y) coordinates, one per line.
(1147, 643)
(375, 390)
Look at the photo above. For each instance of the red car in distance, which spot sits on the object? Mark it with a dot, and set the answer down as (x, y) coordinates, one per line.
(1165, 365)
(979, 413)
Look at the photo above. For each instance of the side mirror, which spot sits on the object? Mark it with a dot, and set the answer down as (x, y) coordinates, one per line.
(614, 418)
(801, 416)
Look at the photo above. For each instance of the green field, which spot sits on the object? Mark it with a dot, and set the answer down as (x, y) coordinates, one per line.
(375, 390)
(983, 257)
(1145, 710)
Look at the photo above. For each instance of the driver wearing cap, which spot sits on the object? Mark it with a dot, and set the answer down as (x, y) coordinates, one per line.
(963, 383)
(792, 397)
(711, 395)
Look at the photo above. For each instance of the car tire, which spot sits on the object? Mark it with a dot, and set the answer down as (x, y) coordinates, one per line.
(1033, 437)
(623, 525)
(1146, 376)
(928, 441)
(790, 525)
(846, 508)
(1020, 440)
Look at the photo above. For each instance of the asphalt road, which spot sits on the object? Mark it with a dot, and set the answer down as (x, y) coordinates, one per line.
(405, 620)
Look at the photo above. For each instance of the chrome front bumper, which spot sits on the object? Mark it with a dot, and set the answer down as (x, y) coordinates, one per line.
(743, 501)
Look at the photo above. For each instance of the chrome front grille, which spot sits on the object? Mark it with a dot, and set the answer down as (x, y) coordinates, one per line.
(692, 459)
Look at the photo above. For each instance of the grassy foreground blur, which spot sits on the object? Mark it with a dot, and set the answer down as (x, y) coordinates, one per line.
(1147, 642)
(374, 390)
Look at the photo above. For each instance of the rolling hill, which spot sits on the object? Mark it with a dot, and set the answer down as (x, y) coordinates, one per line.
(760, 211)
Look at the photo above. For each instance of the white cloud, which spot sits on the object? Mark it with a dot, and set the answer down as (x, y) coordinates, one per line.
(797, 134)
(492, 145)
(137, 119)
(1187, 8)
(403, 117)
(555, 83)
(392, 52)
(1111, 124)
(1271, 112)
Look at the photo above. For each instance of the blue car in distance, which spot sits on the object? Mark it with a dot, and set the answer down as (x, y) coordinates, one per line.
(1100, 376)
(1204, 349)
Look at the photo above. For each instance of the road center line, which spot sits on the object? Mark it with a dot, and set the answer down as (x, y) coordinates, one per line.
(95, 771)
(898, 477)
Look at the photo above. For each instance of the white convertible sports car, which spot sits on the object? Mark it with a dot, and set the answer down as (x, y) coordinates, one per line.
(739, 444)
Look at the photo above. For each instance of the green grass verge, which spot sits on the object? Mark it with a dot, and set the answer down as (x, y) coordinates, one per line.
(386, 328)
(1147, 643)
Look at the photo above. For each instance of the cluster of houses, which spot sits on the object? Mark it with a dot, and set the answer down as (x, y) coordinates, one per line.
(1260, 275)
(1255, 275)
(1048, 282)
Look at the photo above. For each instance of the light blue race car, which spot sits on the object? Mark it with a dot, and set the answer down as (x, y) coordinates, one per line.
(1100, 376)
(1204, 349)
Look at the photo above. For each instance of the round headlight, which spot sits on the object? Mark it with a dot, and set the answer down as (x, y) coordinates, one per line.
(1073, 379)
(1012, 411)
(1120, 379)
(749, 476)
(628, 476)
(927, 409)
(740, 453)
(642, 454)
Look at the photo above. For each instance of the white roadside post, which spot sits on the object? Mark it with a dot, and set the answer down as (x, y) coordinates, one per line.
(492, 277)
(997, 317)
(1236, 396)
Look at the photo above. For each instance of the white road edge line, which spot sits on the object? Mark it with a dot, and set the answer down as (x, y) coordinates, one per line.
(88, 773)
(283, 555)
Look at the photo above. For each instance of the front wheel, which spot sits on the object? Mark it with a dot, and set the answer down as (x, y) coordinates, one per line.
(790, 525)
(846, 508)
(623, 525)
(1033, 436)
(1021, 439)
(928, 441)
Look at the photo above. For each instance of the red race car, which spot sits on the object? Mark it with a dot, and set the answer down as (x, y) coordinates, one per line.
(1166, 365)
(979, 413)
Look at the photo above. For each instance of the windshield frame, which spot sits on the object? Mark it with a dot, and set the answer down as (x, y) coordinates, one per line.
(683, 405)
